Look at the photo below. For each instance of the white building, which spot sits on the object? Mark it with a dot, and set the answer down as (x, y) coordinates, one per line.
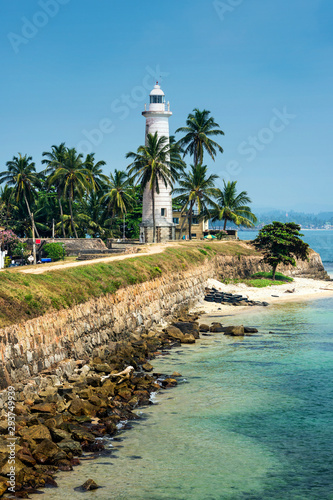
(157, 120)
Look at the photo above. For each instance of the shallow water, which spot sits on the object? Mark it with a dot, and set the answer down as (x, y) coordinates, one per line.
(252, 419)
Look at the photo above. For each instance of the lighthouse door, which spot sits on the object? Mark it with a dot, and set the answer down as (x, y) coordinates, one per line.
(158, 235)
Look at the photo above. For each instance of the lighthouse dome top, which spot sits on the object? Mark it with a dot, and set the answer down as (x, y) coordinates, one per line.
(157, 90)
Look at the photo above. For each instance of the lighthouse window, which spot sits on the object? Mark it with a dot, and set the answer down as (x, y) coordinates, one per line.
(156, 99)
(163, 212)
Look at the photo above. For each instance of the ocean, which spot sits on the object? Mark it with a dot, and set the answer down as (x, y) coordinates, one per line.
(250, 419)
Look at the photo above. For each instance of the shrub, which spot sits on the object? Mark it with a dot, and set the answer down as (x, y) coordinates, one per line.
(20, 250)
(54, 250)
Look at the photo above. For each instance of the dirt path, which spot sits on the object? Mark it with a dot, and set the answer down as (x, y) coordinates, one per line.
(43, 268)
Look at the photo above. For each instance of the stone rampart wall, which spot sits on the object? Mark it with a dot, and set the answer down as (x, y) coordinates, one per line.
(42, 343)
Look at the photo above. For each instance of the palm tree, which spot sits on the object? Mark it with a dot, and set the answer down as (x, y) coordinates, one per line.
(153, 164)
(233, 207)
(54, 159)
(74, 179)
(97, 178)
(200, 127)
(195, 188)
(119, 194)
(21, 174)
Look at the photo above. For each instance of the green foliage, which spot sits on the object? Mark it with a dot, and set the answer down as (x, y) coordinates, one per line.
(8, 261)
(196, 189)
(281, 243)
(203, 251)
(233, 207)
(54, 250)
(199, 129)
(19, 249)
(278, 276)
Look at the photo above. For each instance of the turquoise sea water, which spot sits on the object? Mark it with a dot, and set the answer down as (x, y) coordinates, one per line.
(252, 418)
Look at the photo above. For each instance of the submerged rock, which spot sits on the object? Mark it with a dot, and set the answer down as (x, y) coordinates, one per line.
(88, 485)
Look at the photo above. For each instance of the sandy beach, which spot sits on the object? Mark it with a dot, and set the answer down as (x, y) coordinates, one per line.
(299, 290)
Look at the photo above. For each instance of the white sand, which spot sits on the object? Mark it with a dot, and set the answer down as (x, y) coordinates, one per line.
(304, 289)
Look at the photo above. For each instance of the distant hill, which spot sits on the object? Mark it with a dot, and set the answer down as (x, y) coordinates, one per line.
(322, 220)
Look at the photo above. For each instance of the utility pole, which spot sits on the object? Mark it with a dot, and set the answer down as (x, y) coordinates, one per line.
(33, 239)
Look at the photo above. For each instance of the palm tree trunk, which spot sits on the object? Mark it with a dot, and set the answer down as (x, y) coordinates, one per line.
(225, 224)
(72, 219)
(153, 207)
(190, 222)
(183, 224)
(62, 216)
(30, 215)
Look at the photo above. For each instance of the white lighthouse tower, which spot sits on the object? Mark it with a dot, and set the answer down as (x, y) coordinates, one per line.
(157, 120)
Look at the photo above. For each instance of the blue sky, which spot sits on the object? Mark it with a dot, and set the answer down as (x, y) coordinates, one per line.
(80, 71)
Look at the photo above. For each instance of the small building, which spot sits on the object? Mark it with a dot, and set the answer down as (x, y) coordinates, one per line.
(199, 226)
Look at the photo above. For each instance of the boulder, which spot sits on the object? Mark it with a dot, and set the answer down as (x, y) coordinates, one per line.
(81, 434)
(59, 435)
(36, 432)
(49, 408)
(174, 333)
(188, 327)
(216, 328)
(234, 330)
(169, 382)
(46, 449)
(89, 485)
(70, 446)
(82, 407)
(248, 329)
(188, 339)
(103, 367)
(204, 328)
(147, 367)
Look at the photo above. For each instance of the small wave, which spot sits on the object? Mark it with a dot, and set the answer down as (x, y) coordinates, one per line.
(121, 424)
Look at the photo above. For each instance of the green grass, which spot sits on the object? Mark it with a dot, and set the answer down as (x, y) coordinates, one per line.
(24, 296)
(268, 276)
(263, 279)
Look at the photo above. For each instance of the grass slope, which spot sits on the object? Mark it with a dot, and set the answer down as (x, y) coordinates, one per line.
(25, 296)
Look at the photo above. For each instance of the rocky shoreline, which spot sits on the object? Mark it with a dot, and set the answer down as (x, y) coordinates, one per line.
(72, 415)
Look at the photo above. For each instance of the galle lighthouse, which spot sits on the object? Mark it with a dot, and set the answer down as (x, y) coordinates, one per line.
(157, 120)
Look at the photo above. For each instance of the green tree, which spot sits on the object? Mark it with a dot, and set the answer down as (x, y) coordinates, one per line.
(196, 189)
(21, 174)
(233, 207)
(199, 129)
(281, 243)
(96, 176)
(119, 195)
(154, 164)
(54, 250)
(54, 159)
(73, 178)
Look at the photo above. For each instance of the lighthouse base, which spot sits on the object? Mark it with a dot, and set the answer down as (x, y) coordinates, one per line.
(164, 231)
